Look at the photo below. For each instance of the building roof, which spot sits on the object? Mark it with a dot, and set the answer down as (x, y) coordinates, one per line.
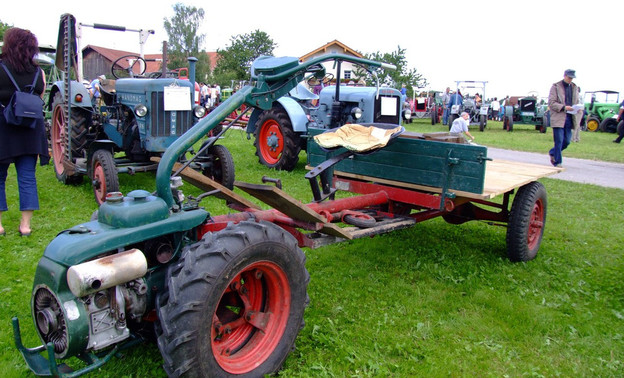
(323, 49)
(154, 61)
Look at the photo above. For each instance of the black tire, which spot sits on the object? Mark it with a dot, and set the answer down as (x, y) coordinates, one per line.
(593, 124)
(452, 118)
(277, 145)
(256, 263)
(482, 120)
(608, 125)
(434, 115)
(59, 139)
(509, 123)
(103, 174)
(360, 220)
(527, 220)
(221, 168)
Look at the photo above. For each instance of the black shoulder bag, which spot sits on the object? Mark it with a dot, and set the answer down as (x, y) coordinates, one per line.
(25, 108)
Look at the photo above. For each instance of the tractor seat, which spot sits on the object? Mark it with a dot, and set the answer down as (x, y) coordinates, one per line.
(107, 91)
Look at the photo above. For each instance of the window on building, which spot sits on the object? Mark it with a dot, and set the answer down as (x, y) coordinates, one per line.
(347, 74)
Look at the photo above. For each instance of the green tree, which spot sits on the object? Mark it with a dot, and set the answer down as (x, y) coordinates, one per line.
(3, 28)
(393, 78)
(235, 60)
(185, 41)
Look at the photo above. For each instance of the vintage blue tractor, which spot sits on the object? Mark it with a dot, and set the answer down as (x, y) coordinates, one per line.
(135, 119)
(281, 132)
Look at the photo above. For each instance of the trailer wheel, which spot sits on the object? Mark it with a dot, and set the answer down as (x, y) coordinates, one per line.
(103, 175)
(60, 139)
(234, 303)
(482, 121)
(526, 222)
(222, 168)
(593, 124)
(277, 145)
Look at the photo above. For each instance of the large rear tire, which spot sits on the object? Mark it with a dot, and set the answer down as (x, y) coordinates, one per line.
(60, 139)
(103, 175)
(526, 222)
(234, 303)
(277, 145)
(608, 125)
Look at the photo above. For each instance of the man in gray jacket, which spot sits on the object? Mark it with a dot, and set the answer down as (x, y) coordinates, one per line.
(563, 94)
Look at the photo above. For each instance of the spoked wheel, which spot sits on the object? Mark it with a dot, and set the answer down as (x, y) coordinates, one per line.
(234, 303)
(220, 165)
(277, 145)
(60, 140)
(104, 177)
(526, 222)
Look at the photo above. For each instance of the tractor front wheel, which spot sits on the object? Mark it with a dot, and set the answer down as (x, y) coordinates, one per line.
(277, 145)
(451, 119)
(233, 303)
(221, 168)
(103, 175)
(526, 222)
(593, 124)
(482, 122)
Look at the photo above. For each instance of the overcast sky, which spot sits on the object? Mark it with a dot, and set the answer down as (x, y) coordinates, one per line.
(516, 46)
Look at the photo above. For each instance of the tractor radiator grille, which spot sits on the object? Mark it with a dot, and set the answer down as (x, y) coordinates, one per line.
(392, 111)
(163, 122)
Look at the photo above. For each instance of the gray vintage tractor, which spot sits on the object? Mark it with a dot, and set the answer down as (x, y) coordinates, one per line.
(281, 132)
(478, 112)
(137, 118)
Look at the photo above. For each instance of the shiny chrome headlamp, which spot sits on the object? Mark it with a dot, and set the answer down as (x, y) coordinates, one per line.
(199, 111)
(407, 114)
(140, 110)
(356, 112)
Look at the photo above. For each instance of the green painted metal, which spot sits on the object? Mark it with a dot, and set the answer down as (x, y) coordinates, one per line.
(415, 161)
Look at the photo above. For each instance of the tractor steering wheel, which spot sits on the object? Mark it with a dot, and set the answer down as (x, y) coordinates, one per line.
(126, 66)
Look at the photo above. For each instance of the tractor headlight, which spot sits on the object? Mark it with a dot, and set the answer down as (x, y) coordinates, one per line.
(407, 113)
(199, 111)
(356, 113)
(140, 110)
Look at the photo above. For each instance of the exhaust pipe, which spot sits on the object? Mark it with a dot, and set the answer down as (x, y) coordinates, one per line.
(93, 276)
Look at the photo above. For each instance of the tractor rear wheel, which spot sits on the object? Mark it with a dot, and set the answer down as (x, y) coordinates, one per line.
(277, 145)
(233, 303)
(103, 175)
(526, 222)
(593, 124)
(60, 139)
(508, 123)
(222, 168)
(608, 125)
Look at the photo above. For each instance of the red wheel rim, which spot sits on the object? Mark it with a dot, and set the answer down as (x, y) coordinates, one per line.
(99, 183)
(536, 225)
(251, 317)
(58, 136)
(271, 141)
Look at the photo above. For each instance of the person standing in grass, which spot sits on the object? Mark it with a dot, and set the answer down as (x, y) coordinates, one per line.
(563, 94)
(21, 145)
(620, 124)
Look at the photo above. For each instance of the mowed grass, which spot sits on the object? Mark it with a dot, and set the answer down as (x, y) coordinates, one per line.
(433, 300)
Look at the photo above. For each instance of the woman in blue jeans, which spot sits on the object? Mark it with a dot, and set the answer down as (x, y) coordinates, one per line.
(20, 145)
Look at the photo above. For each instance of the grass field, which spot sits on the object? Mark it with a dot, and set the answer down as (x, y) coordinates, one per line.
(433, 300)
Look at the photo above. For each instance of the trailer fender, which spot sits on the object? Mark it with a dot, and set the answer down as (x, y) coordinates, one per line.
(298, 117)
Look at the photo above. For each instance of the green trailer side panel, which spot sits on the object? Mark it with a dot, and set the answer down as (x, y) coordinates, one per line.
(417, 161)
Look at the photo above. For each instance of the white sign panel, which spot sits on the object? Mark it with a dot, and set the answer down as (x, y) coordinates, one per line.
(177, 98)
(388, 106)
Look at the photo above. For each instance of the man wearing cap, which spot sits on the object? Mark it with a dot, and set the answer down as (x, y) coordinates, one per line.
(563, 94)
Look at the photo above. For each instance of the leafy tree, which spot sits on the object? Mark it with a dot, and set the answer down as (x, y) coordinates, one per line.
(185, 41)
(3, 27)
(235, 60)
(393, 78)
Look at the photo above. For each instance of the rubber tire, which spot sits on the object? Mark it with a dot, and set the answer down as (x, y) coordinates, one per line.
(509, 123)
(452, 117)
(608, 125)
(434, 115)
(286, 155)
(593, 124)
(527, 221)
(482, 120)
(223, 170)
(196, 285)
(58, 138)
(103, 174)
(363, 221)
